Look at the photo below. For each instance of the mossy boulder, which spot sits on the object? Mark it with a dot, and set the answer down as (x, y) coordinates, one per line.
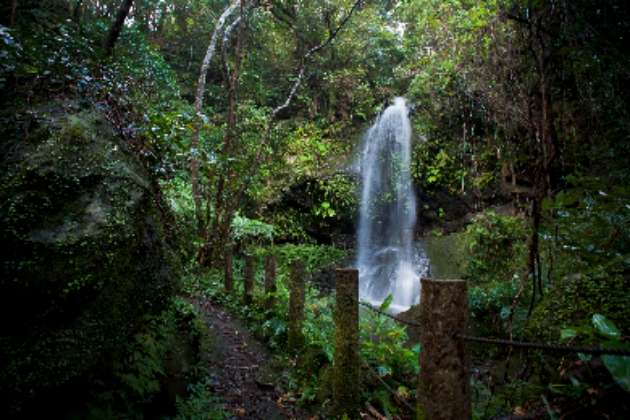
(85, 250)
(575, 298)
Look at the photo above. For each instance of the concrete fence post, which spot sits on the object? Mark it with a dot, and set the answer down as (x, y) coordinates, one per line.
(444, 386)
(346, 386)
(248, 280)
(296, 306)
(229, 275)
(270, 279)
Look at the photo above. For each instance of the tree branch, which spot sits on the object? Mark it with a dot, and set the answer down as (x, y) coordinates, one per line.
(201, 83)
(308, 54)
(114, 30)
(225, 42)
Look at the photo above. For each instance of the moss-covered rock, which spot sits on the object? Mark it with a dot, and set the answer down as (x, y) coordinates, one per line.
(575, 298)
(85, 249)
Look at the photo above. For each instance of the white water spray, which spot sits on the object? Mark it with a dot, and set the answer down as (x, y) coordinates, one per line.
(388, 261)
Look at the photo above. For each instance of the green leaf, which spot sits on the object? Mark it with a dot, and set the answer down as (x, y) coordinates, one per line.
(567, 333)
(550, 412)
(619, 367)
(585, 357)
(384, 370)
(605, 327)
(388, 301)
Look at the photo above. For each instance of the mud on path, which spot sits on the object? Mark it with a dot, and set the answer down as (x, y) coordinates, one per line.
(241, 372)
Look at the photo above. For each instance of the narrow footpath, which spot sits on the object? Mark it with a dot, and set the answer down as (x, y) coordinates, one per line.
(243, 377)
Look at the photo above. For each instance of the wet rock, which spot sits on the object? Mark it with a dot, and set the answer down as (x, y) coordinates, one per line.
(85, 250)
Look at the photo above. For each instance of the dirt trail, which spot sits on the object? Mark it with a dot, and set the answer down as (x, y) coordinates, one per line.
(237, 367)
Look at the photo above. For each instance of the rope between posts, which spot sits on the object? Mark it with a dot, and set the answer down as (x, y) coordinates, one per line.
(378, 311)
(502, 342)
(371, 307)
(386, 385)
(544, 346)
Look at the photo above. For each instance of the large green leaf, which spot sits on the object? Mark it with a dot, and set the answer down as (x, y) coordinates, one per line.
(386, 303)
(567, 333)
(619, 367)
(605, 327)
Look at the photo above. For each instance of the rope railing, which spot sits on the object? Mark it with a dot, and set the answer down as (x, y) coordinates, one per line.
(369, 306)
(388, 315)
(551, 347)
(445, 308)
(387, 387)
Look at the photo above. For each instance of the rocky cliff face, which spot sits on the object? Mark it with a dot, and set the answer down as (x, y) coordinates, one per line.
(85, 250)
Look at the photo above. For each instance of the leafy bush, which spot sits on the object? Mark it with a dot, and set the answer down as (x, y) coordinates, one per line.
(201, 404)
(432, 166)
(496, 247)
(313, 256)
(385, 349)
(289, 224)
(178, 193)
(490, 306)
(245, 230)
(606, 333)
(335, 197)
(9, 54)
(585, 247)
(139, 377)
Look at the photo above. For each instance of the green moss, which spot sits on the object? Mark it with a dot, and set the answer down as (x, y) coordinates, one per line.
(87, 252)
(575, 298)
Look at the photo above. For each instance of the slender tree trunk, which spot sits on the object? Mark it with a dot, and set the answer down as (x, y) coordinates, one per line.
(532, 255)
(224, 202)
(142, 14)
(116, 28)
(194, 145)
(159, 26)
(76, 13)
(549, 152)
(13, 13)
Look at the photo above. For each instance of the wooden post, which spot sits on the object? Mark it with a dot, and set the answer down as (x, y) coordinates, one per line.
(296, 306)
(270, 279)
(346, 387)
(229, 276)
(444, 386)
(248, 284)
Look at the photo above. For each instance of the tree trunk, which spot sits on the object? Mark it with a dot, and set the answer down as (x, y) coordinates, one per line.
(532, 255)
(76, 13)
(225, 198)
(194, 145)
(13, 13)
(116, 28)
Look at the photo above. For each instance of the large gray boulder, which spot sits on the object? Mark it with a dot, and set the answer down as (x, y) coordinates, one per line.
(85, 249)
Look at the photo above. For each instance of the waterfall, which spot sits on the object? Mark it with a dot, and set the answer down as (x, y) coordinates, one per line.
(388, 260)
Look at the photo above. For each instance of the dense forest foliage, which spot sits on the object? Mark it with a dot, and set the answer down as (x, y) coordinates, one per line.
(152, 148)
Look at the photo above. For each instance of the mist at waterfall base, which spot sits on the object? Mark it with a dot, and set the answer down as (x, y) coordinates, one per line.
(388, 260)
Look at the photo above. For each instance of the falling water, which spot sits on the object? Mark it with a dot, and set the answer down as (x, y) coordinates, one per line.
(388, 260)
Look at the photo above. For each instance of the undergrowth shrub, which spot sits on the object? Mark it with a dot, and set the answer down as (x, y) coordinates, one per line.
(383, 343)
(495, 245)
